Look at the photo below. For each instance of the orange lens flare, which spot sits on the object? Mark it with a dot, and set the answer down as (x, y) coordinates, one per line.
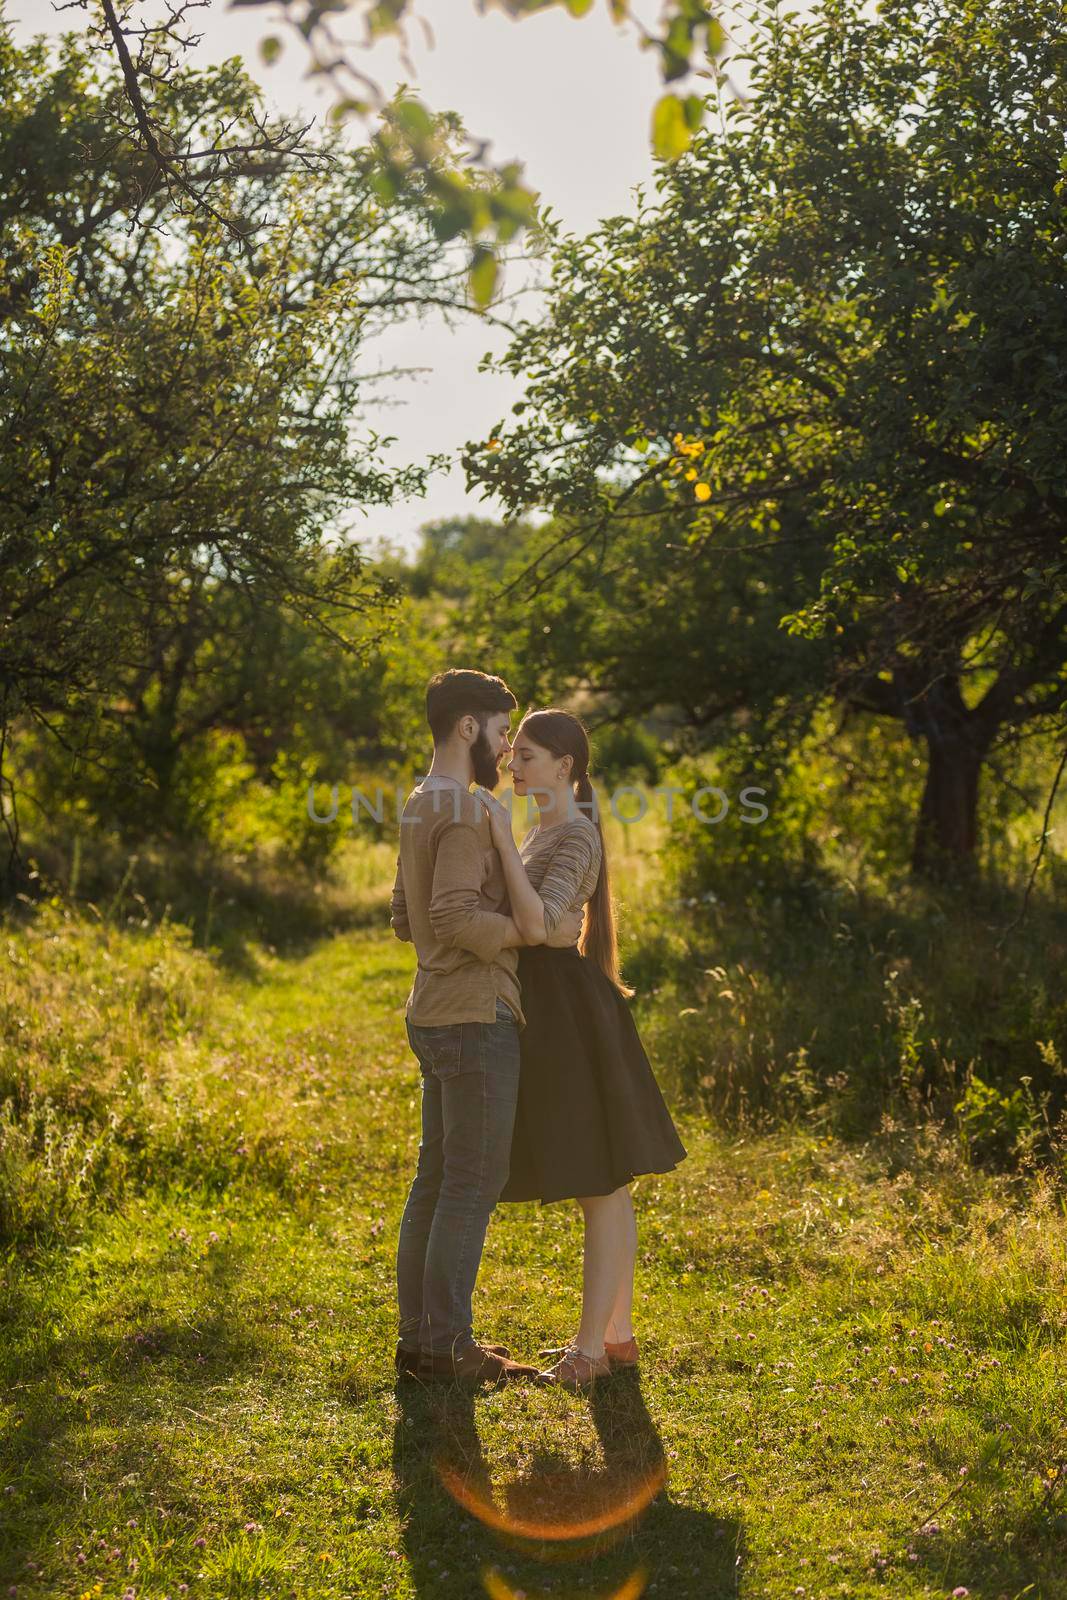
(498, 1588)
(630, 1505)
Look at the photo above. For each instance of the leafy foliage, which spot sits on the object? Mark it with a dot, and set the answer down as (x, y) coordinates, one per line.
(181, 454)
(487, 203)
(832, 350)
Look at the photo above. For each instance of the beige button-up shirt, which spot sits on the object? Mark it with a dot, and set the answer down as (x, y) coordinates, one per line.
(450, 900)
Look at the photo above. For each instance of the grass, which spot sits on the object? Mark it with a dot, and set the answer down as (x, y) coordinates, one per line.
(856, 1354)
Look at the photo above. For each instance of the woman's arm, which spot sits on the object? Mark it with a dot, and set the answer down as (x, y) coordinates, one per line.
(574, 862)
(527, 909)
(540, 920)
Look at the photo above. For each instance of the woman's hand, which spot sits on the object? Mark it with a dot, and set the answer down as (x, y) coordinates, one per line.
(499, 819)
(568, 932)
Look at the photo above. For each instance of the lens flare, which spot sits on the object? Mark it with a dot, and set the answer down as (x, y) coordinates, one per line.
(634, 1498)
(498, 1588)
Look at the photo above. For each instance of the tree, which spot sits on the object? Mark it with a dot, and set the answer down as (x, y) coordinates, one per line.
(179, 404)
(841, 323)
(458, 554)
(415, 160)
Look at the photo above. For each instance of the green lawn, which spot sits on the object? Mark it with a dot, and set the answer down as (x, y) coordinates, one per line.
(855, 1357)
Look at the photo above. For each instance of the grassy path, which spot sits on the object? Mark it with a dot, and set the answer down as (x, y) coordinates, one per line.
(854, 1382)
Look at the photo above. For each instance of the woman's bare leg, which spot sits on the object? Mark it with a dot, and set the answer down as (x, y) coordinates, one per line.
(608, 1265)
(620, 1326)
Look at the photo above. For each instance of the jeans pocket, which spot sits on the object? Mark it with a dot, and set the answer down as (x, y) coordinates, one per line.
(442, 1048)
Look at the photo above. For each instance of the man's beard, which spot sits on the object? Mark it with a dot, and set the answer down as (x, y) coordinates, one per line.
(486, 771)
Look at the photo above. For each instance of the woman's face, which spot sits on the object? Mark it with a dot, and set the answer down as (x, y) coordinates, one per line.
(532, 767)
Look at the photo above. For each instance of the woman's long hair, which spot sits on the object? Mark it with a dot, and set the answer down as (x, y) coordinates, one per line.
(562, 734)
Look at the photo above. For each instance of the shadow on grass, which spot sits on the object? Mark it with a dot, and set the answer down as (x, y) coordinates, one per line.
(138, 1385)
(1004, 1538)
(1028, 1558)
(608, 1531)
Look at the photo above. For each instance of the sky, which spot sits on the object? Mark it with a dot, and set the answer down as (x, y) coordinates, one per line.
(570, 98)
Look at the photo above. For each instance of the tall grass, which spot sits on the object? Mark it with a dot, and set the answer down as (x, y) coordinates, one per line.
(767, 991)
(116, 1073)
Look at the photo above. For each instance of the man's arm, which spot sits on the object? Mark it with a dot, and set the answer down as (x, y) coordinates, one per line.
(456, 915)
(398, 907)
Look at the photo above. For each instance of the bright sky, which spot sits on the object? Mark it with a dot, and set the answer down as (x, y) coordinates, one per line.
(569, 97)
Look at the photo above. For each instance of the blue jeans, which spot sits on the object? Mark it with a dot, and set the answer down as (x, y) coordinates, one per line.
(470, 1085)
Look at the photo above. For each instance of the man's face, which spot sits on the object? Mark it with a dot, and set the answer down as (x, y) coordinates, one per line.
(490, 748)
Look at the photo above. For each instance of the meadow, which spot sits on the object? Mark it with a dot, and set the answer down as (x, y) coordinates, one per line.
(773, 496)
(855, 1346)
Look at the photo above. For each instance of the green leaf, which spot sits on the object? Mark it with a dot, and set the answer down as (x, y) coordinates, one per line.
(270, 49)
(578, 8)
(483, 275)
(384, 187)
(413, 119)
(346, 107)
(693, 109)
(448, 222)
(670, 131)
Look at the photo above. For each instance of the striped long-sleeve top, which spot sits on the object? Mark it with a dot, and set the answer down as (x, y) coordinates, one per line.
(563, 864)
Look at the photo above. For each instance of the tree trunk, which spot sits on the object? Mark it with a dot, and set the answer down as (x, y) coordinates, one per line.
(946, 833)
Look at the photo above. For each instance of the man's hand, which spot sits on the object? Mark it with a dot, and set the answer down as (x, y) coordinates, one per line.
(567, 933)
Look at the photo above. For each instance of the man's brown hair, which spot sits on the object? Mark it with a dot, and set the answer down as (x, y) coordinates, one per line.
(459, 693)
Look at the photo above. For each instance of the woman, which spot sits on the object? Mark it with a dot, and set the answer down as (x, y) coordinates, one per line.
(590, 1114)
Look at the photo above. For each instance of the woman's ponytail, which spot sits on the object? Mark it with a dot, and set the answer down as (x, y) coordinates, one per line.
(599, 940)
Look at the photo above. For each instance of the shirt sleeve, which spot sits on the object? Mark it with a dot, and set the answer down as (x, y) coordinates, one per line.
(398, 907)
(456, 915)
(571, 861)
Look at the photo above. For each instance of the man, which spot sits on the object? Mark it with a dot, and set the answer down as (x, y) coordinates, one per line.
(463, 1016)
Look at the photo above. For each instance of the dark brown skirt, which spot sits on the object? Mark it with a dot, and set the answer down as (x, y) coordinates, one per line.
(590, 1115)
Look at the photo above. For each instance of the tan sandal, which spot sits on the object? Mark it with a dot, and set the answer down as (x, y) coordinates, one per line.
(625, 1354)
(576, 1371)
(622, 1355)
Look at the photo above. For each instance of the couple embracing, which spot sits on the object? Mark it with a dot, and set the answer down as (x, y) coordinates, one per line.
(535, 1085)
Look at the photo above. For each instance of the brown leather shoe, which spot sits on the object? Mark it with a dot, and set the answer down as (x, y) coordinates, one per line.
(406, 1362)
(473, 1366)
